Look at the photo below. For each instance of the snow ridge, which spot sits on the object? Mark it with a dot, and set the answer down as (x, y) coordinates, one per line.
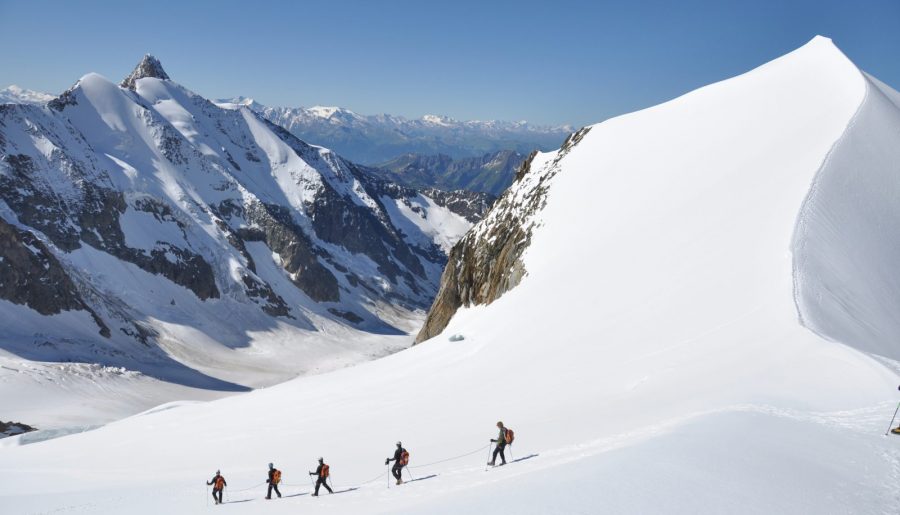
(844, 288)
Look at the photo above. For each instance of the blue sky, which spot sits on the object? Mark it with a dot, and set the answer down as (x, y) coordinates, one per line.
(548, 62)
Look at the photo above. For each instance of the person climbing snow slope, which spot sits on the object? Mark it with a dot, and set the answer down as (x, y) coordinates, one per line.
(218, 483)
(504, 438)
(400, 459)
(322, 471)
(274, 479)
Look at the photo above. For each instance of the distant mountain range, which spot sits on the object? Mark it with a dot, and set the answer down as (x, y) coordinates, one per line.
(429, 152)
(16, 95)
(372, 139)
(491, 173)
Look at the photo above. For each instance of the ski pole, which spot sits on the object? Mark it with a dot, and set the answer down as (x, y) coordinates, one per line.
(892, 420)
(510, 452)
(411, 478)
(488, 462)
(207, 490)
(388, 476)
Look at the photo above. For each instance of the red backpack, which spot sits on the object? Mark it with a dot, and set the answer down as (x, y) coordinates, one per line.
(509, 435)
(324, 472)
(276, 476)
(404, 458)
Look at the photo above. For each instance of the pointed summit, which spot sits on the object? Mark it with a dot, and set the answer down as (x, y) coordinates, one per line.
(148, 67)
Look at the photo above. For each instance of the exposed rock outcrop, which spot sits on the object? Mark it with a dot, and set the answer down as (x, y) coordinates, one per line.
(148, 67)
(487, 262)
(92, 215)
(31, 275)
(471, 205)
(273, 225)
(14, 428)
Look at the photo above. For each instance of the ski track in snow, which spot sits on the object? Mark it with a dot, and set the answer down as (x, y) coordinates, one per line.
(458, 474)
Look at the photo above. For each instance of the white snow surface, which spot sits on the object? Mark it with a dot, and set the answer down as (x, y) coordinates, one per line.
(424, 222)
(652, 360)
(16, 95)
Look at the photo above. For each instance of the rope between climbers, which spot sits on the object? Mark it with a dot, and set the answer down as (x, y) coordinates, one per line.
(248, 488)
(450, 459)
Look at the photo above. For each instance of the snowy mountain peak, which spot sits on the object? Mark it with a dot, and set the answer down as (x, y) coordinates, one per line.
(335, 115)
(148, 67)
(237, 102)
(326, 111)
(438, 120)
(245, 101)
(15, 95)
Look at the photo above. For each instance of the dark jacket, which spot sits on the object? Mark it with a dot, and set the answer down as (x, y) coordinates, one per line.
(271, 476)
(398, 454)
(318, 471)
(213, 480)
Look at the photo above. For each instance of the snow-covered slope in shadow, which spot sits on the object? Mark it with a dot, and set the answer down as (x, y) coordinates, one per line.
(847, 244)
(657, 309)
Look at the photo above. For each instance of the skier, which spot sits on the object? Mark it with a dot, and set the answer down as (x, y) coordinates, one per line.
(274, 479)
(218, 483)
(322, 472)
(505, 437)
(400, 459)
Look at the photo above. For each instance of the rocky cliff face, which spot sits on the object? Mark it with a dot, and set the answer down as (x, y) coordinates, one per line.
(32, 276)
(487, 262)
(148, 67)
(137, 204)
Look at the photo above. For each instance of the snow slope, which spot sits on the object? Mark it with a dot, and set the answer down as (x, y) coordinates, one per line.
(845, 255)
(652, 360)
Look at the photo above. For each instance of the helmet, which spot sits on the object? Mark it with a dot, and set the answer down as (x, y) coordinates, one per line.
(321, 458)
(399, 444)
(499, 424)
(218, 472)
(271, 466)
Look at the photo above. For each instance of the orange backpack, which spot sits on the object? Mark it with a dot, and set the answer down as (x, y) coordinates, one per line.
(325, 470)
(404, 458)
(509, 435)
(276, 476)
(220, 483)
